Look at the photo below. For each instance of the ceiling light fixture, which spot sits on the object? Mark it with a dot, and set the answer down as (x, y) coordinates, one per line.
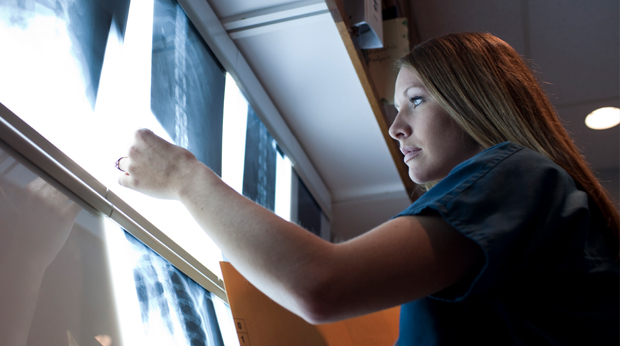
(603, 118)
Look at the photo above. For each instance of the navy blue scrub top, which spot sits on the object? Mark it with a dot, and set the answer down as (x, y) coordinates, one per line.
(550, 274)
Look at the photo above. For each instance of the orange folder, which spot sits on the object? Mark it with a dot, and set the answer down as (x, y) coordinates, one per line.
(262, 322)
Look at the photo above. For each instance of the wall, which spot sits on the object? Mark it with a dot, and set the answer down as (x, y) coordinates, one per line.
(352, 218)
(610, 179)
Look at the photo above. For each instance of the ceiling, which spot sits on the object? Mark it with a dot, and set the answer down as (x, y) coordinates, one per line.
(304, 67)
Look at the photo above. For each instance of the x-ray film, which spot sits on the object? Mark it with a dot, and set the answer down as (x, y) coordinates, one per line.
(187, 85)
(259, 174)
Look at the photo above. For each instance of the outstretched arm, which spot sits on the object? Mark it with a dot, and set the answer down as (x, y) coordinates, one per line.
(404, 259)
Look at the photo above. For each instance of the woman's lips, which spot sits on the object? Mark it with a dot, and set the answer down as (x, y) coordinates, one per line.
(410, 152)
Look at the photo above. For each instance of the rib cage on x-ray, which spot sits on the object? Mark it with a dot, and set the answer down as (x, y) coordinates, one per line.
(171, 300)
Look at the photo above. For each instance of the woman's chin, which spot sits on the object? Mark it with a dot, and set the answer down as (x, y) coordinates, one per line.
(416, 178)
(423, 179)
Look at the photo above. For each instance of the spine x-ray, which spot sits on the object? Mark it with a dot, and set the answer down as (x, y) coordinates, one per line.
(187, 85)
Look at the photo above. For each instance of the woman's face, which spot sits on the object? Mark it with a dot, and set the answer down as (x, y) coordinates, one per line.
(431, 141)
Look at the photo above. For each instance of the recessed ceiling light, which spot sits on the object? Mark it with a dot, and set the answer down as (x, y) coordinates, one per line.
(603, 118)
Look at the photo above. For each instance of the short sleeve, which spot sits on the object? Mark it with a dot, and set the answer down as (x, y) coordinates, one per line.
(512, 202)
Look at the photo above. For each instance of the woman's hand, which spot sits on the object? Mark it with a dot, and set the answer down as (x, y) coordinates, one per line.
(157, 168)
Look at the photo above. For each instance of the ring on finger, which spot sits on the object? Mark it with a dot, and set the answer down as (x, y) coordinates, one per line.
(118, 164)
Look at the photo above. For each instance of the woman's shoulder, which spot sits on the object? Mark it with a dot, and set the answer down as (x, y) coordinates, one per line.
(506, 155)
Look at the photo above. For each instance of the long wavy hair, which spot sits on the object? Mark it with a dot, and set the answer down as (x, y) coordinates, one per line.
(487, 88)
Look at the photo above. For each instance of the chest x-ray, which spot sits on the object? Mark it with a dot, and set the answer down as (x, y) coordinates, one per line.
(174, 310)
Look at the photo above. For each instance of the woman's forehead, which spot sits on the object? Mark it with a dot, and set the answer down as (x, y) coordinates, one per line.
(407, 79)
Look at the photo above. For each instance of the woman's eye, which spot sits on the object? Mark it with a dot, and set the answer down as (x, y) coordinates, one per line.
(415, 101)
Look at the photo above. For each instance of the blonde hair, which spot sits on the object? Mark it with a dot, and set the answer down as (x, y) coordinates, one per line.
(487, 88)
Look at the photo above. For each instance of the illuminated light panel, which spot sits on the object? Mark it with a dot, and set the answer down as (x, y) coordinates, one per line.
(233, 134)
(284, 178)
(603, 118)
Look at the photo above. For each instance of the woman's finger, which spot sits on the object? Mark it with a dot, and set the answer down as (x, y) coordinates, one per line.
(125, 180)
(144, 137)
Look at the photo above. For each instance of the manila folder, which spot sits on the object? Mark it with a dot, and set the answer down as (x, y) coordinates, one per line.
(260, 321)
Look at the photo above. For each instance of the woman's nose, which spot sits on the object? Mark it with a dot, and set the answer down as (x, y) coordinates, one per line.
(399, 129)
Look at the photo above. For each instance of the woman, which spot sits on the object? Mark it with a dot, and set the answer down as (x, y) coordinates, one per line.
(515, 241)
